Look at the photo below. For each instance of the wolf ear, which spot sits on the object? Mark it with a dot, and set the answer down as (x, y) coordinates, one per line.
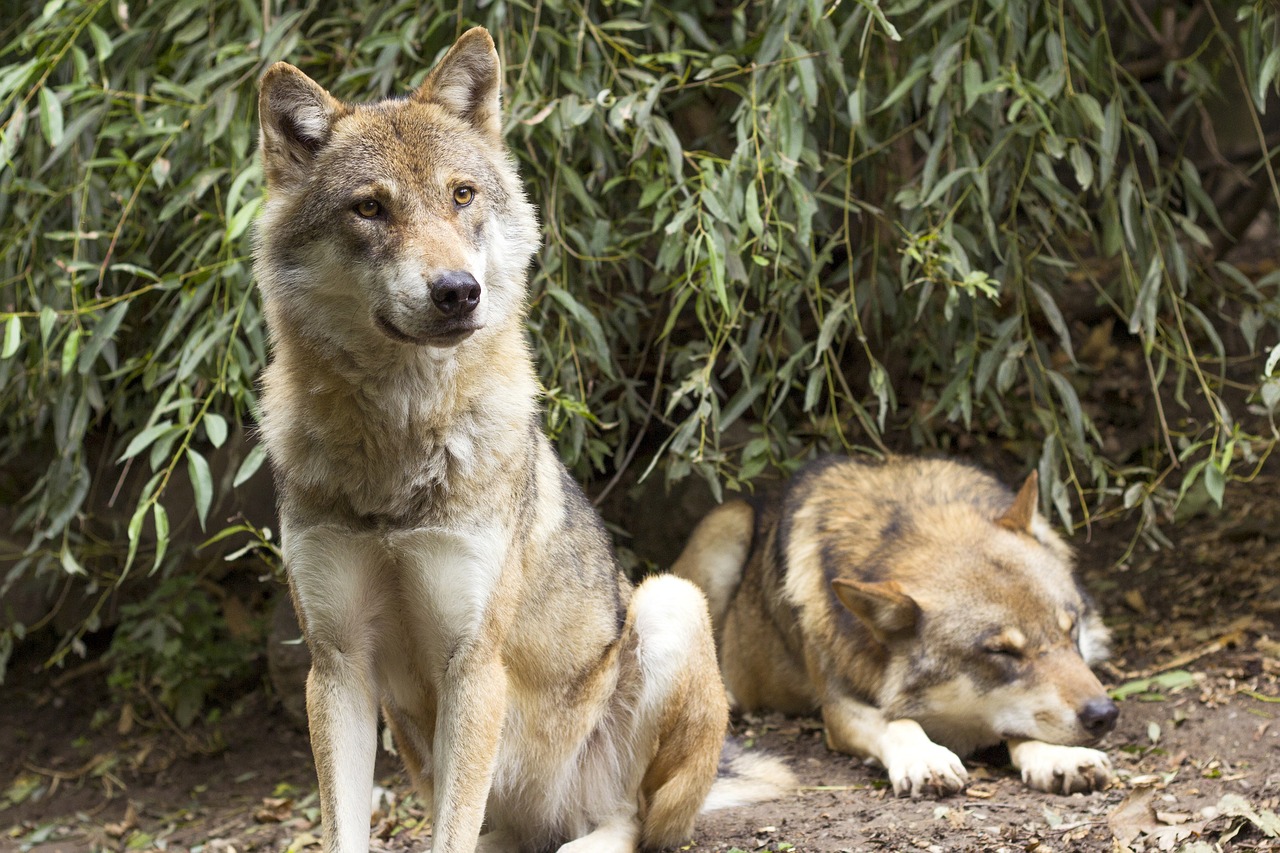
(468, 82)
(882, 607)
(297, 116)
(1019, 517)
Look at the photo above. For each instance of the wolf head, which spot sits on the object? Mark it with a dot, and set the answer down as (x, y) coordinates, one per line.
(988, 637)
(399, 223)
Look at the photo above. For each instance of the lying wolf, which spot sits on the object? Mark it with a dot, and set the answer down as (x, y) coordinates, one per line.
(444, 564)
(923, 608)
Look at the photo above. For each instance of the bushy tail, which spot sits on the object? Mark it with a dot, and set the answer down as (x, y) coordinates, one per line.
(747, 777)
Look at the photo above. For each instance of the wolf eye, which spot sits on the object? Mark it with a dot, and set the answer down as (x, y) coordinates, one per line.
(1006, 651)
(463, 196)
(367, 209)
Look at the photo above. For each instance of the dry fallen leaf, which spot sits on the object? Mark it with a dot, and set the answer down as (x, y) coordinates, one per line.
(1146, 780)
(1136, 819)
(274, 810)
(128, 823)
(1133, 598)
(125, 724)
(303, 841)
(1265, 820)
(238, 618)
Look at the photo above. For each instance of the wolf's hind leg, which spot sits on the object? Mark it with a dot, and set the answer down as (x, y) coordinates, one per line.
(412, 738)
(497, 841)
(615, 836)
(682, 709)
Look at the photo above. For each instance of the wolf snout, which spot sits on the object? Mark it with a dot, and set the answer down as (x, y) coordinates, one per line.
(1098, 716)
(456, 294)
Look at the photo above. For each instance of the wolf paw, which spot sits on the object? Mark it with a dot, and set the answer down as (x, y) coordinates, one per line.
(618, 836)
(1063, 769)
(927, 769)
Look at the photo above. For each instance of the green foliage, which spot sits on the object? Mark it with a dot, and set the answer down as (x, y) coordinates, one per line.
(1149, 689)
(174, 649)
(771, 229)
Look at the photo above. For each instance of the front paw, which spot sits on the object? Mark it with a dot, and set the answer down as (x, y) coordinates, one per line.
(927, 769)
(1060, 769)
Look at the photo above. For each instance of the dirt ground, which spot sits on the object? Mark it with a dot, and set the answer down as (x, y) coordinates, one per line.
(1197, 750)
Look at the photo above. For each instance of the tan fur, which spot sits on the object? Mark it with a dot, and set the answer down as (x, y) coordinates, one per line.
(445, 566)
(924, 609)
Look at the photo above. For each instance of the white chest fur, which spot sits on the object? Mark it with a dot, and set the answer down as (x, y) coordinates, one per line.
(389, 598)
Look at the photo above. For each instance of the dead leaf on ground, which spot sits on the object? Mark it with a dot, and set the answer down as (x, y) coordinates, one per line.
(1265, 820)
(128, 823)
(1136, 819)
(238, 618)
(303, 841)
(274, 810)
(1133, 598)
(1133, 817)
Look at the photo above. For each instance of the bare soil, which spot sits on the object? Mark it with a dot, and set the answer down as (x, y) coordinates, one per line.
(1197, 752)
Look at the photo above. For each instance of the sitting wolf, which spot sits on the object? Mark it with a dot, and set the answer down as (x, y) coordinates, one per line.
(445, 566)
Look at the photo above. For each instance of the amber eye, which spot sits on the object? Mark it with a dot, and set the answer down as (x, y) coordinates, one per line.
(463, 196)
(368, 208)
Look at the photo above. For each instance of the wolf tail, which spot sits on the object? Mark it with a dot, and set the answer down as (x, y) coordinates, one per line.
(716, 555)
(747, 777)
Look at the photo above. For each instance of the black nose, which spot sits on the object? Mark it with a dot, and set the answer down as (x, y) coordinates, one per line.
(1098, 716)
(456, 293)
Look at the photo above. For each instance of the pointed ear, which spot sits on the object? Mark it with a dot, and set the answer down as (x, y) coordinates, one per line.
(468, 82)
(882, 607)
(297, 117)
(1019, 517)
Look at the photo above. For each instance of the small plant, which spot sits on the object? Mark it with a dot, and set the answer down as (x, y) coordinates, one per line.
(175, 650)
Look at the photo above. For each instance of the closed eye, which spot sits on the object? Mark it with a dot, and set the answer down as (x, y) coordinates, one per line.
(1008, 642)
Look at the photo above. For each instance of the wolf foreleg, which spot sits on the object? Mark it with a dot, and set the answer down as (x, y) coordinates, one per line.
(916, 765)
(340, 610)
(472, 705)
(1060, 769)
(342, 715)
